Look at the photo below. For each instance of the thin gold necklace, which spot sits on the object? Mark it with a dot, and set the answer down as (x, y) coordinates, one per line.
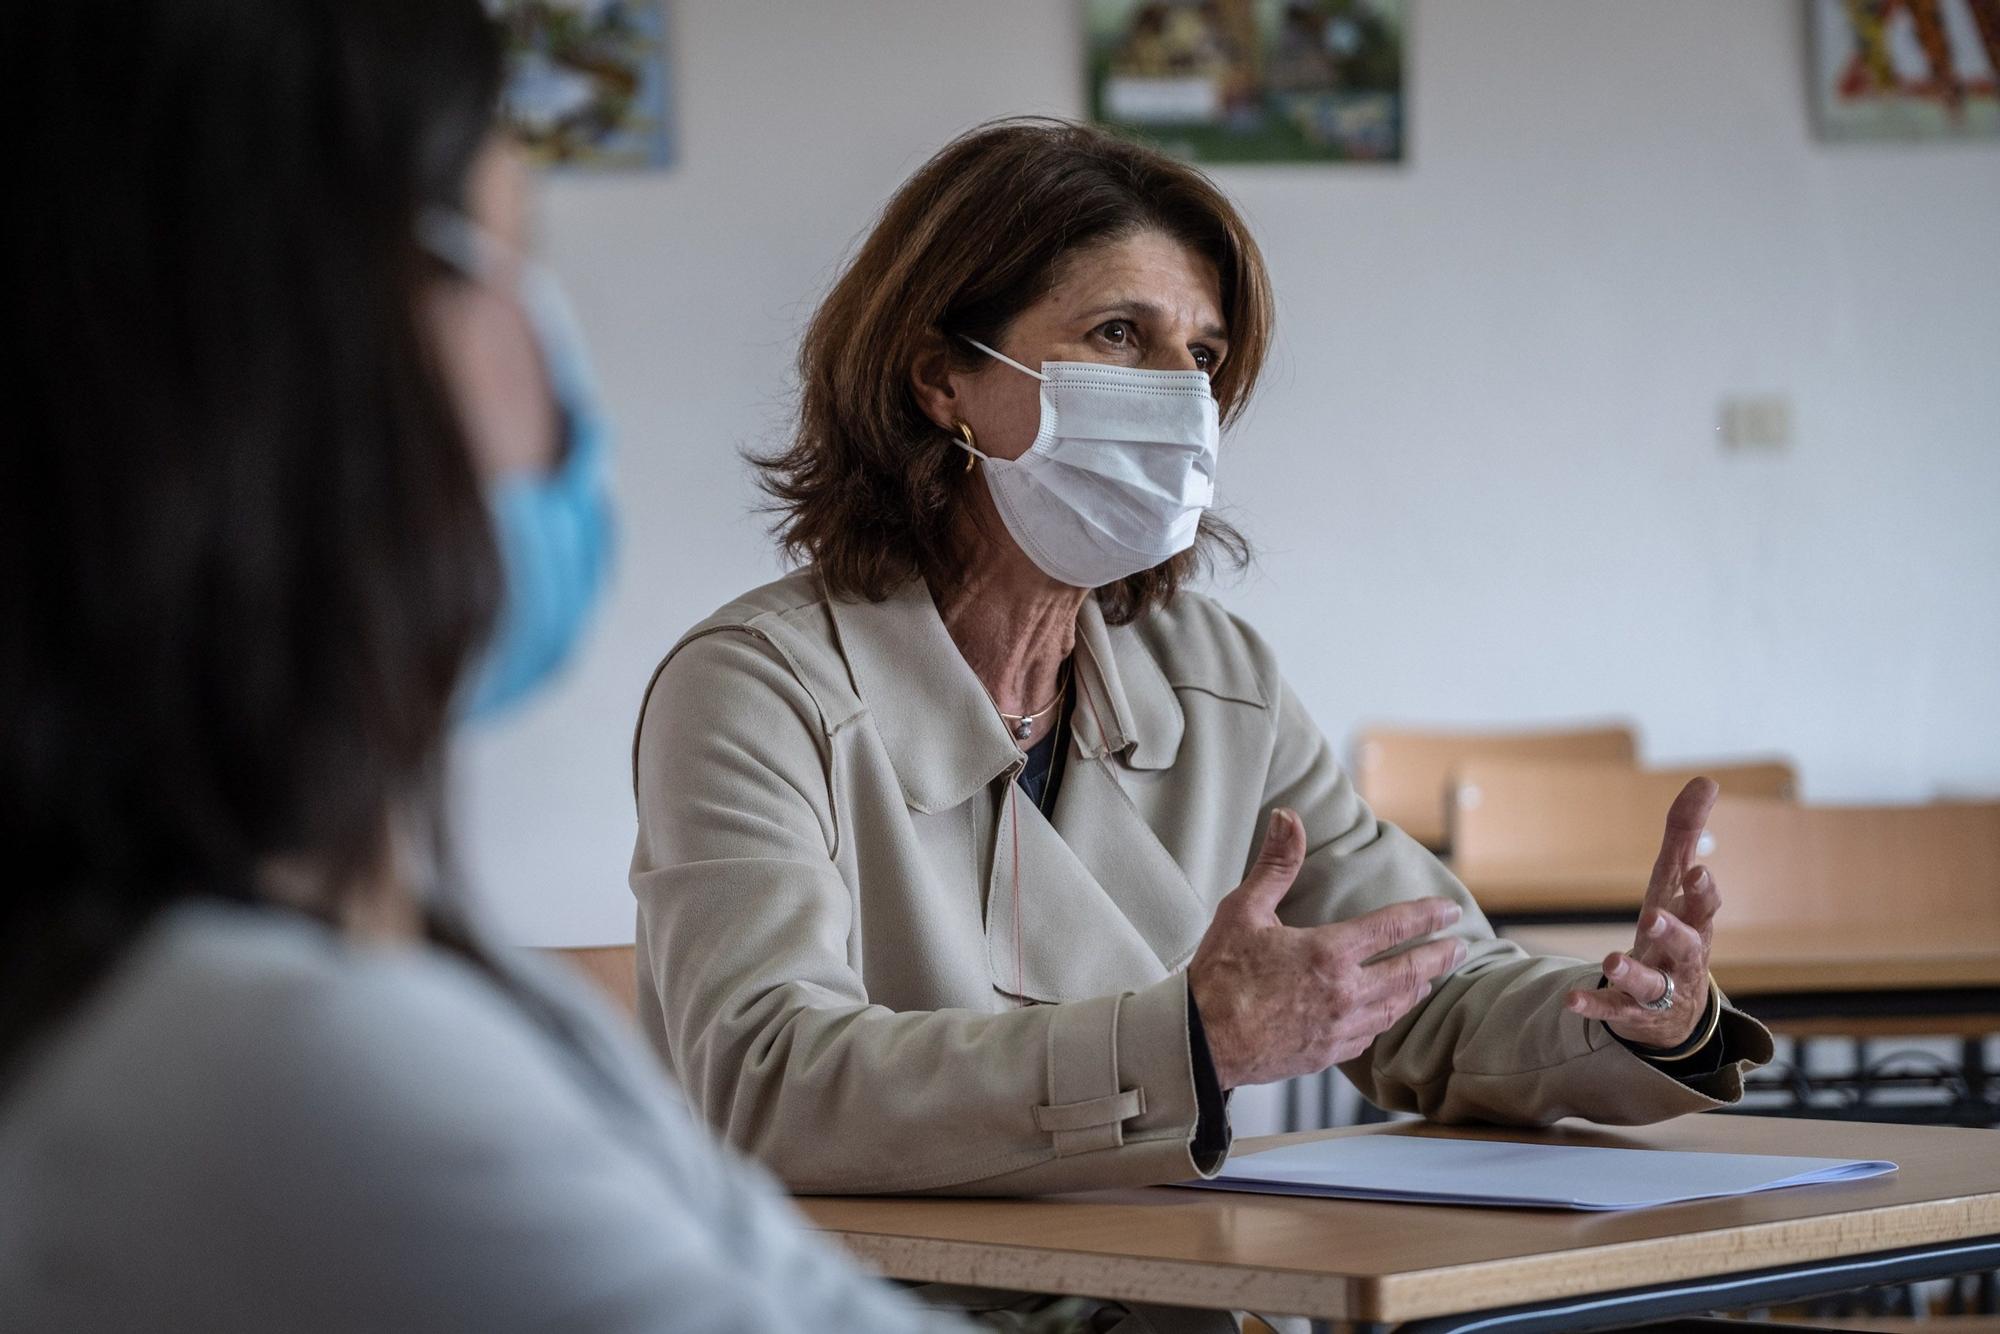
(1024, 723)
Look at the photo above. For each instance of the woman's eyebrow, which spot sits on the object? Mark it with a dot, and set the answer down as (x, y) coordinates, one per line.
(1151, 310)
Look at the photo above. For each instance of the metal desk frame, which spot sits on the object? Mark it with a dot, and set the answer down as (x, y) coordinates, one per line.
(1763, 1287)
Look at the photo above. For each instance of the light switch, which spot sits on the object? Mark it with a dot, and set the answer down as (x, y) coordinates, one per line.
(1756, 422)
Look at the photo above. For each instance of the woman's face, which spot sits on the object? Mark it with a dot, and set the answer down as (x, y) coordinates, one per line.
(1143, 300)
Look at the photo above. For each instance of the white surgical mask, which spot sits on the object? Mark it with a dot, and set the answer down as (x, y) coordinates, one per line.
(1119, 473)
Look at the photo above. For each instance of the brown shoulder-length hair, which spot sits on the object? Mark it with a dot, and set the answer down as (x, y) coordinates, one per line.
(869, 489)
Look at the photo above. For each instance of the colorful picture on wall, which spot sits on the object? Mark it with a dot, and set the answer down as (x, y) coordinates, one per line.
(587, 81)
(1251, 80)
(1906, 69)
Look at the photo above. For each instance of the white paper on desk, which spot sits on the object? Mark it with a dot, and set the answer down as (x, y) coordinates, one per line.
(1422, 1170)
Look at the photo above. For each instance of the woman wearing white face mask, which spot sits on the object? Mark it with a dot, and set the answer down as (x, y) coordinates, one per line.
(980, 857)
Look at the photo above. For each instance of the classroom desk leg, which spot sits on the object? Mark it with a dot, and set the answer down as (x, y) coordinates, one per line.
(1972, 1068)
(1723, 1292)
(1802, 1050)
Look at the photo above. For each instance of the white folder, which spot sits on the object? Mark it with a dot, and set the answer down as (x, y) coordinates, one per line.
(1424, 1170)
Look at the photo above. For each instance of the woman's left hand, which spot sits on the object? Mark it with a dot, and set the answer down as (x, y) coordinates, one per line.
(1673, 940)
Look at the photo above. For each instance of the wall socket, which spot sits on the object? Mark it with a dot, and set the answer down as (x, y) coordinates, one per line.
(1760, 422)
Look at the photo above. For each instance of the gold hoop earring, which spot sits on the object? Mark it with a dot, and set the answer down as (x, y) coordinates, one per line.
(965, 434)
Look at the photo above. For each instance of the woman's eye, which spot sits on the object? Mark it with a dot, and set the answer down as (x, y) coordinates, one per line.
(1205, 358)
(1118, 333)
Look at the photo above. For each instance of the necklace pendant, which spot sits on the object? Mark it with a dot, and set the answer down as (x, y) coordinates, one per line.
(1023, 728)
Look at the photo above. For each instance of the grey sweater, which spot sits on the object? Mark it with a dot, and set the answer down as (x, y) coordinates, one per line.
(258, 1124)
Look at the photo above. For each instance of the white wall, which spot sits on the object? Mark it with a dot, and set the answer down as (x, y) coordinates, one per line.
(1483, 472)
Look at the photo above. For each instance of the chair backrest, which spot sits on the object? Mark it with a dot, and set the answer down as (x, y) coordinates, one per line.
(1536, 837)
(1888, 866)
(1406, 776)
(1773, 778)
(613, 969)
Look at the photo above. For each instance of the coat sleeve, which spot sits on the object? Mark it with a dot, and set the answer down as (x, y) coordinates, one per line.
(1493, 1042)
(751, 985)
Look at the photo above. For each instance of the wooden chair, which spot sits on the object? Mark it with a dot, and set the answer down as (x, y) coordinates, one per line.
(1772, 779)
(1826, 904)
(613, 969)
(1407, 776)
(1886, 870)
(1885, 898)
(1533, 838)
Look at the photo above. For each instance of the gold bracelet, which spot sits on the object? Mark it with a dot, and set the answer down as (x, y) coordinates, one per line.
(1695, 1044)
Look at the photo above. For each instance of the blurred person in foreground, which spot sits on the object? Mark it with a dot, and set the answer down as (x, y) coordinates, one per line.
(980, 855)
(283, 378)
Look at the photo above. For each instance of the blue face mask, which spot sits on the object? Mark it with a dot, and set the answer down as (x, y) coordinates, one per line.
(554, 529)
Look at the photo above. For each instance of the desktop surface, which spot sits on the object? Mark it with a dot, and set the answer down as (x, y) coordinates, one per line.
(1341, 1259)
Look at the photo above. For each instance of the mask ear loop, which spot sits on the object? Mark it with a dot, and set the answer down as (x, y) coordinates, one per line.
(1103, 737)
(1014, 825)
(1002, 356)
(969, 445)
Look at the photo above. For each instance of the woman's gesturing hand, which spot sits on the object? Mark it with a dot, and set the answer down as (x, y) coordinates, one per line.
(1673, 940)
(1278, 1001)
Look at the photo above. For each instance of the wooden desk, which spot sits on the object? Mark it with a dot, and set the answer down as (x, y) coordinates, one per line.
(1392, 1263)
(1922, 978)
(610, 968)
(1853, 980)
(1808, 958)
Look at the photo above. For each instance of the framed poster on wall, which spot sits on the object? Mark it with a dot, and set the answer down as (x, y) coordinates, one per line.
(587, 81)
(1251, 80)
(1906, 69)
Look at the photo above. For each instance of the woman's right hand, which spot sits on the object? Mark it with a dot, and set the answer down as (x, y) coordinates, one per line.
(1278, 1001)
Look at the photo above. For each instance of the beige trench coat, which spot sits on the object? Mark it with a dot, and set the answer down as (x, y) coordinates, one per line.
(827, 926)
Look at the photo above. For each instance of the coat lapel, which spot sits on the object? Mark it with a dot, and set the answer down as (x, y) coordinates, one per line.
(1103, 906)
(936, 721)
(1074, 941)
(1127, 707)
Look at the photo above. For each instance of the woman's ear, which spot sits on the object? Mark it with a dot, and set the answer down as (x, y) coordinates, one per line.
(932, 380)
